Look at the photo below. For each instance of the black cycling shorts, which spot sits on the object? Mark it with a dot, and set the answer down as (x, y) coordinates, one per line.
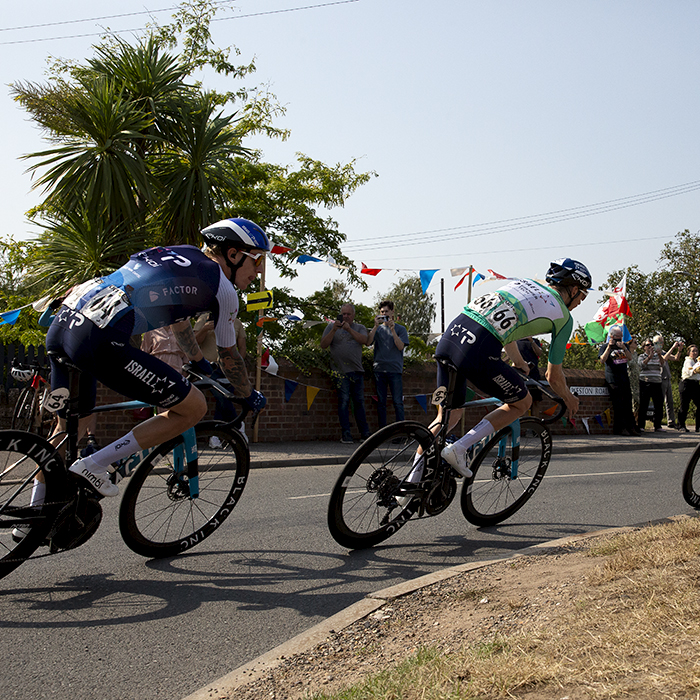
(106, 355)
(477, 355)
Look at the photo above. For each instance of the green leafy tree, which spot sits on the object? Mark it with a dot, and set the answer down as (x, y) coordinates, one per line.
(666, 300)
(140, 151)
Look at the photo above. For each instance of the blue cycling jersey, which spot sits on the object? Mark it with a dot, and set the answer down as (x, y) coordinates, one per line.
(156, 288)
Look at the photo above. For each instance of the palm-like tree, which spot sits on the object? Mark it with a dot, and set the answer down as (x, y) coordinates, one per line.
(136, 148)
(196, 169)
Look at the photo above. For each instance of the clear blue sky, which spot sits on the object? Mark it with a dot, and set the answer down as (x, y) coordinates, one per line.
(470, 113)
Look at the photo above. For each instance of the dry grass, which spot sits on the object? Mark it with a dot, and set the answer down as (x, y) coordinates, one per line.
(632, 631)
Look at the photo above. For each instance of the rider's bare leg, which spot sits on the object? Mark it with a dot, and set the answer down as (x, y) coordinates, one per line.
(172, 421)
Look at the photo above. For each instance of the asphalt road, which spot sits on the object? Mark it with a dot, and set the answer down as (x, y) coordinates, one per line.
(103, 622)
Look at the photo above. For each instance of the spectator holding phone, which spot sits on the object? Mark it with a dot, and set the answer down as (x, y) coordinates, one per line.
(345, 338)
(651, 362)
(389, 340)
(615, 355)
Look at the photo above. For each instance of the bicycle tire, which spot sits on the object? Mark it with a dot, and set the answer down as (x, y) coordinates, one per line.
(691, 480)
(23, 415)
(23, 455)
(157, 519)
(363, 510)
(490, 496)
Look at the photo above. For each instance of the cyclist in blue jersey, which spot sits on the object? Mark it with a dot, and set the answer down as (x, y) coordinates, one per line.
(158, 287)
(473, 343)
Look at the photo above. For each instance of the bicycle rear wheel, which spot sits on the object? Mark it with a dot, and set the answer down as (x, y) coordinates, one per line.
(363, 508)
(492, 494)
(23, 528)
(158, 518)
(691, 480)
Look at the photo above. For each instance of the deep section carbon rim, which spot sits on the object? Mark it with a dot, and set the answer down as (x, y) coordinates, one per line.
(492, 494)
(368, 502)
(158, 515)
(23, 527)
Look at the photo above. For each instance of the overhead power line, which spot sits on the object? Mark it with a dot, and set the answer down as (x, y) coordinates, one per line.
(523, 222)
(148, 12)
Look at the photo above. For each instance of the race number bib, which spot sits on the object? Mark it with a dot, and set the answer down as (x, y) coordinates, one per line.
(105, 305)
(498, 312)
(56, 400)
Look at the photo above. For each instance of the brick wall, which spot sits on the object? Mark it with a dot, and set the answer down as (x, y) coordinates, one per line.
(293, 421)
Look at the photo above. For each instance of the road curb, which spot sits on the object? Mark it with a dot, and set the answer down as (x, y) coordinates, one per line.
(261, 461)
(255, 669)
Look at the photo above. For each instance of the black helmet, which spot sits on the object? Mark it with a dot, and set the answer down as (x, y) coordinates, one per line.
(237, 233)
(566, 272)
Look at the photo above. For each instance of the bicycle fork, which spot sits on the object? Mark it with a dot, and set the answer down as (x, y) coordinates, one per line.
(185, 459)
(514, 434)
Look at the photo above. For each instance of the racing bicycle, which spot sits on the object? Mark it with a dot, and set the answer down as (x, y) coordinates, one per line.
(178, 493)
(29, 413)
(372, 498)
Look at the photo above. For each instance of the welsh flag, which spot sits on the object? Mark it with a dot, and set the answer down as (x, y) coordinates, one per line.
(613, 312)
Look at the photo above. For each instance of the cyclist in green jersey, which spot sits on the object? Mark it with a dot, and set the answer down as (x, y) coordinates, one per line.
(474, 340)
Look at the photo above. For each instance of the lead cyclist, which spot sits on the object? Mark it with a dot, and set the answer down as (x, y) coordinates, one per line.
(474, 340)
(158, 287)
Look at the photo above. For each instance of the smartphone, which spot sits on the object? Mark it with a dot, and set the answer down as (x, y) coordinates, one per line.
(340, 318)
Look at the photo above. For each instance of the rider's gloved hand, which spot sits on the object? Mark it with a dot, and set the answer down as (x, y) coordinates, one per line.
(256, 401)
(202, 366)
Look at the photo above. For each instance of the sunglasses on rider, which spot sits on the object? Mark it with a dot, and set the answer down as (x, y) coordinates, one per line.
(259, 258)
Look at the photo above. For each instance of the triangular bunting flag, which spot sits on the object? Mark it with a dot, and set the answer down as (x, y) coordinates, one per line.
(585, 425)
(497, 276)
(373, 271)
(426, 277)
(606, 413)
(462, 280)
(599, 420)
(289, 387)
(10, 317)
(280, 249)
(423, 401)
(272, 367)
(311, 392)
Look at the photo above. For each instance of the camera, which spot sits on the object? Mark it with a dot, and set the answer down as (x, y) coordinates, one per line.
(340, 318)
(383, 319)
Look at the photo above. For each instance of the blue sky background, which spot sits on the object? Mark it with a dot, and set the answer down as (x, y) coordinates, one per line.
(470, 113)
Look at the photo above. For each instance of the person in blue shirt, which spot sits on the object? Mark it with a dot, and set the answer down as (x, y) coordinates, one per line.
(390, 339)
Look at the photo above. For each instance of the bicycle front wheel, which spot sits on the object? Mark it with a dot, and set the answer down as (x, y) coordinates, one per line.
(366, 504)
(24, 458)
(25, 409)
(496, 491)
(691, 480)
(159, 516)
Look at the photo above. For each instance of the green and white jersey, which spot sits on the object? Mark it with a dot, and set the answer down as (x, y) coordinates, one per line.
(523, 308)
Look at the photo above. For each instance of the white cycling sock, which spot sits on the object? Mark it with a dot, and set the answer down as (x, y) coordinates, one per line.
(38, 493)
(124, 447)
(478, 432)
(417, 471)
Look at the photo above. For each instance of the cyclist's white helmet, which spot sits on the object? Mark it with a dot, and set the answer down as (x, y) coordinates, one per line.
(237, 233)
(21, 375)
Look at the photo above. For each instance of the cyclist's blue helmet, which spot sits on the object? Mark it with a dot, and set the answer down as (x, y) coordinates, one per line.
(237, 233)
(567, 272)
